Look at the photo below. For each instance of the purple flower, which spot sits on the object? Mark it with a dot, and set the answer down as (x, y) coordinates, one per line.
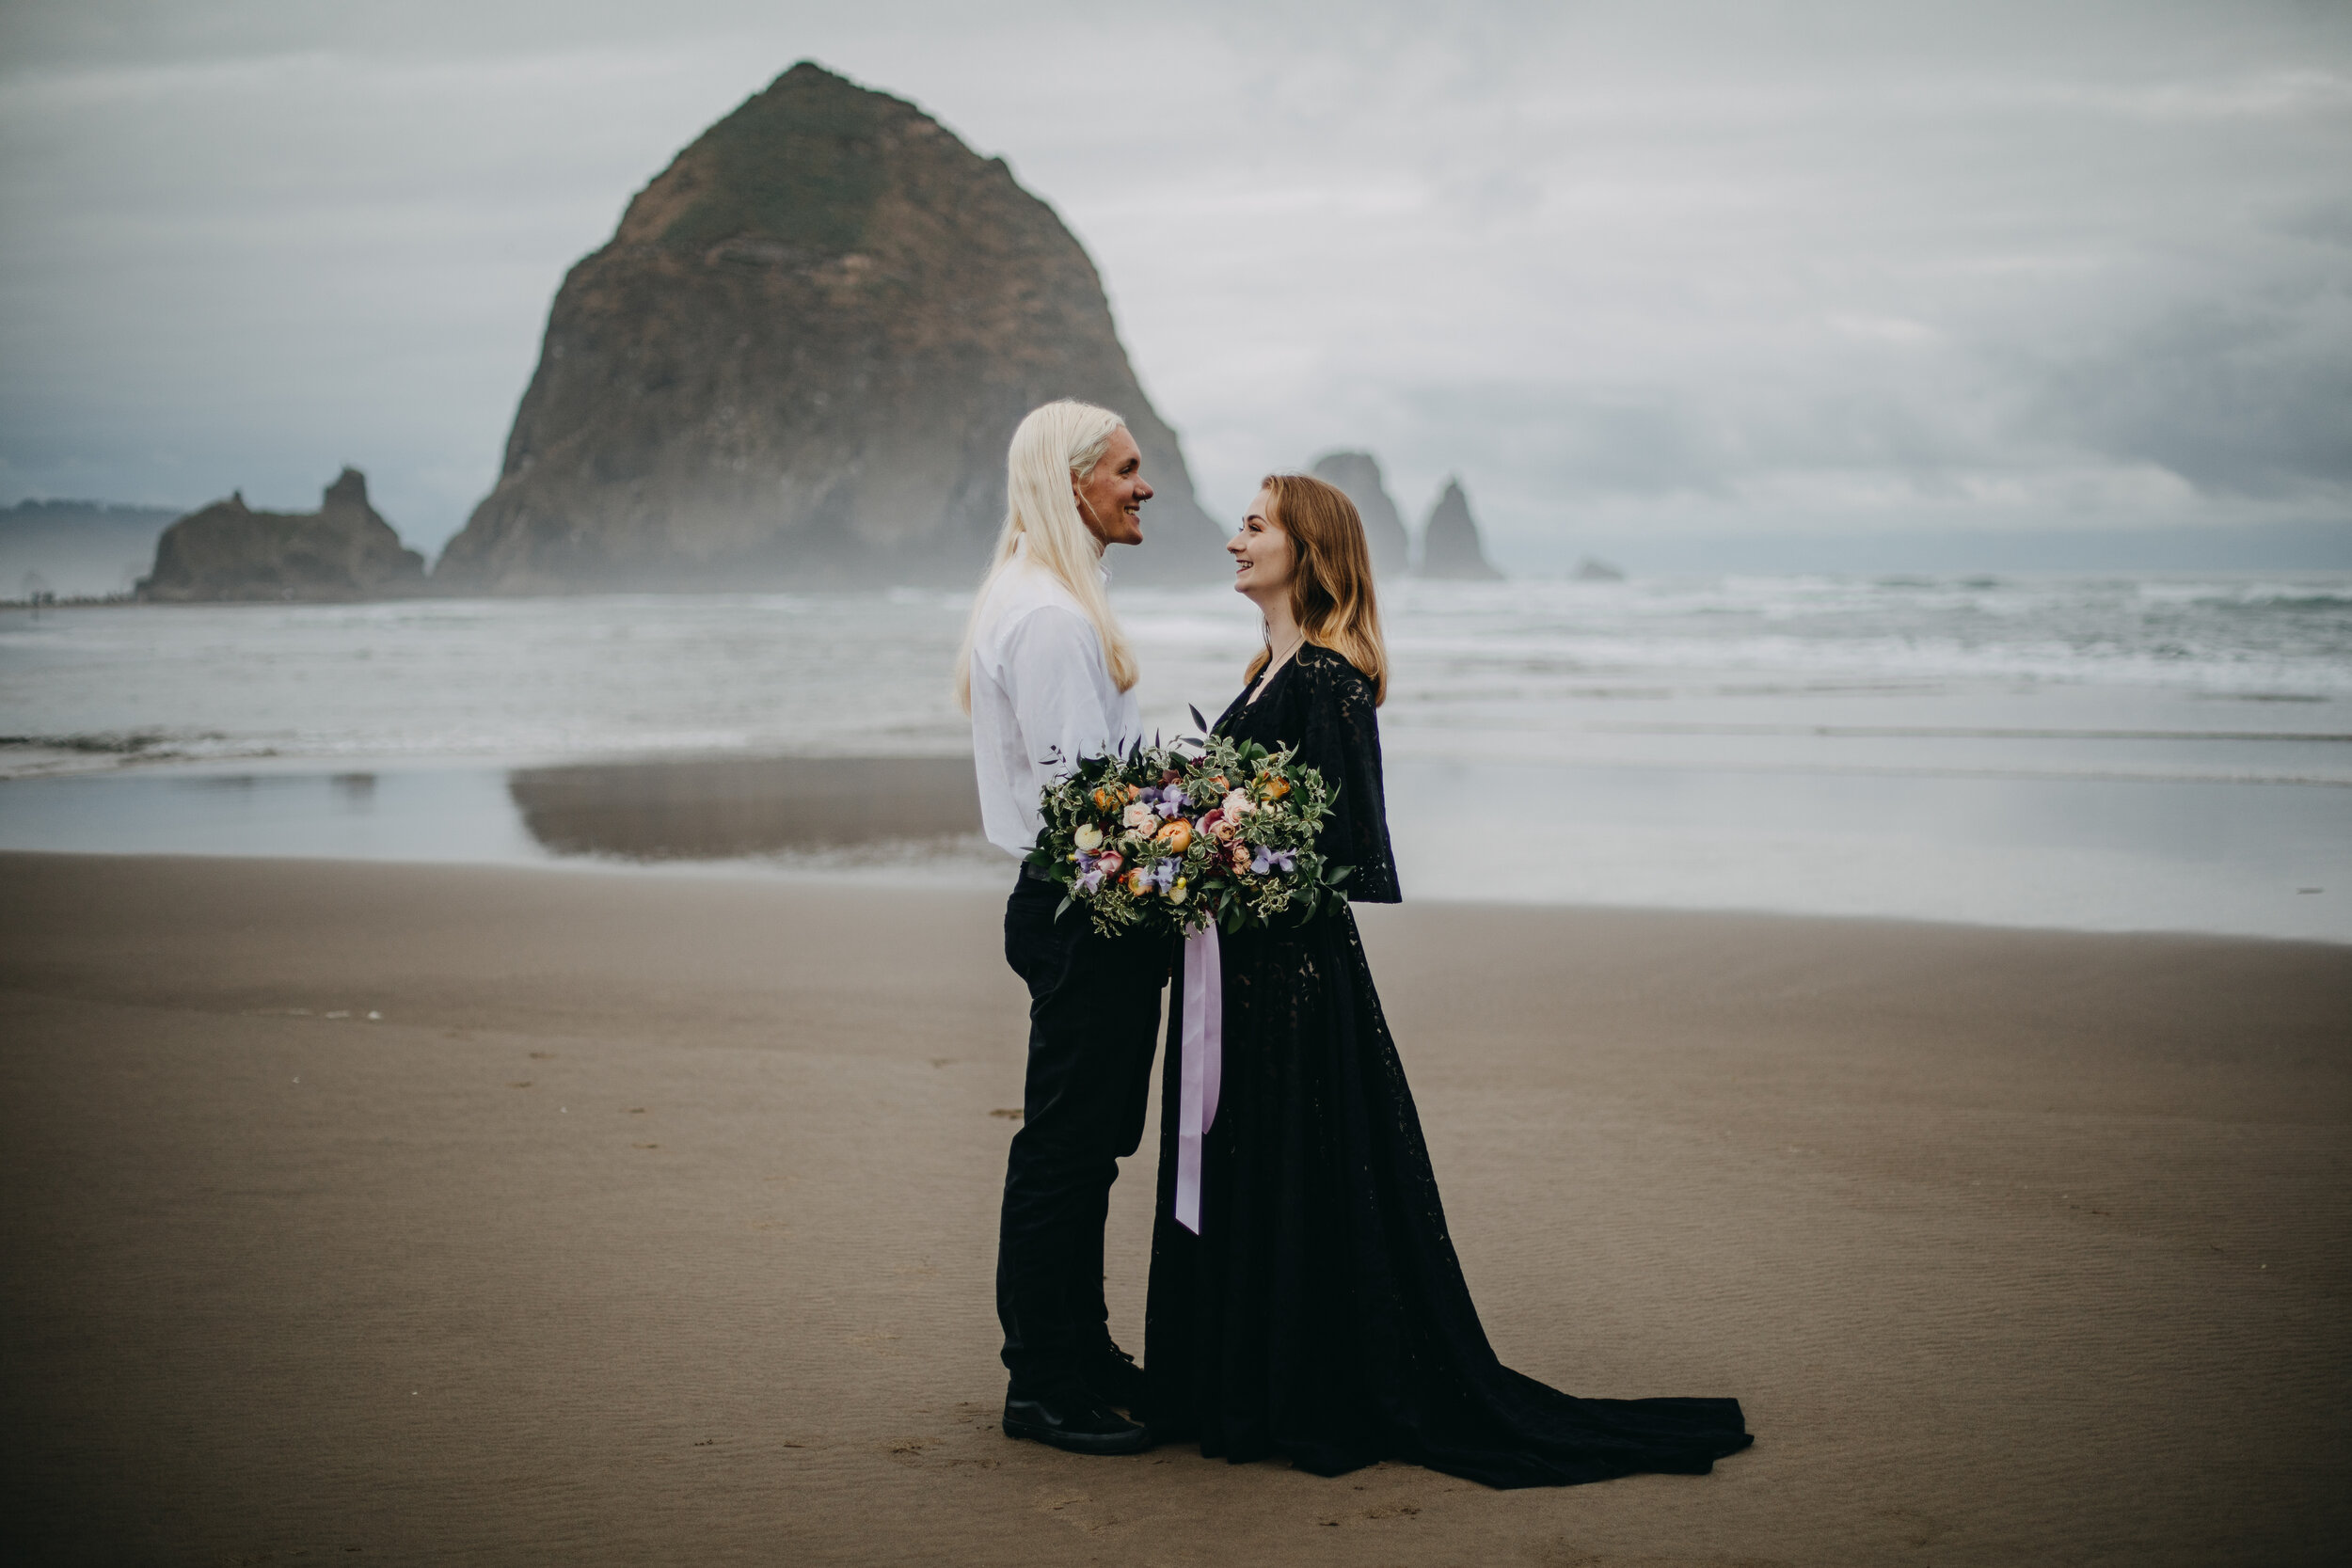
(1266, 859)
(1164, 874)
(1090, 882)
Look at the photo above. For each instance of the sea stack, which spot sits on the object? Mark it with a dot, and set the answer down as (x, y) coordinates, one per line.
(798, 364)
(1450, 545)
(1358, 474)
(228, 551)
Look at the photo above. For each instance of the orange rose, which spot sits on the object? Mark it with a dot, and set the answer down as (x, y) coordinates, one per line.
(1274, 788)
(1177, 836)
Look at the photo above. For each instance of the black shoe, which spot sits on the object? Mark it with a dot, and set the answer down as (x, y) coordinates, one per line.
(1075, 1421)
(1112, 1376)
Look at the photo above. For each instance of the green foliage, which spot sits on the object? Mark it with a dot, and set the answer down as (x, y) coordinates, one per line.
(1233, 845)
(800, 164)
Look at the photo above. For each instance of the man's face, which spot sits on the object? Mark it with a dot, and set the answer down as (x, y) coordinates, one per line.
(1111, 496)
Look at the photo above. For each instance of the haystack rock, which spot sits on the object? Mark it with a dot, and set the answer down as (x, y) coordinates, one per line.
(1356, 473)
(226, 551)
(798, 364)
(1450, 545)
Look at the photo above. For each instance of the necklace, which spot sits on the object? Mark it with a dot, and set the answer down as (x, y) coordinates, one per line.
(1274, 663)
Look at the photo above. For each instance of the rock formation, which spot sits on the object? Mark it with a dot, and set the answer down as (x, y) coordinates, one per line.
(798, 363)
(343, 550)
(1356, 473)
(1450, 545)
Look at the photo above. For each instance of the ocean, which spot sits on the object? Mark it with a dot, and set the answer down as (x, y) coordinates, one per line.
(2089, 752)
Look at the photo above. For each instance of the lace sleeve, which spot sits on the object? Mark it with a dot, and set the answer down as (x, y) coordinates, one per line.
(1342, 741)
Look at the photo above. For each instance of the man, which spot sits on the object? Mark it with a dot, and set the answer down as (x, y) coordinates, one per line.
(1048, 678)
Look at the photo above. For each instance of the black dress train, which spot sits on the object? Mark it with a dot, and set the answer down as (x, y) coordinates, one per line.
(1321, 1313)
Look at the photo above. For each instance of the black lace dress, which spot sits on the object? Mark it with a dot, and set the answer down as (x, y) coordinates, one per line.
(1320, 1314)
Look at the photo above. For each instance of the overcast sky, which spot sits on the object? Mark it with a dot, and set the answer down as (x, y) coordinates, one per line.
(1653, 268)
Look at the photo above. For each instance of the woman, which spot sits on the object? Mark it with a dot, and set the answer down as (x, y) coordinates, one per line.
(1319, 1313)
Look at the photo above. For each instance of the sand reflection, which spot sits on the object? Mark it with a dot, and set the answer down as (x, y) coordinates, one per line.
(858, 807)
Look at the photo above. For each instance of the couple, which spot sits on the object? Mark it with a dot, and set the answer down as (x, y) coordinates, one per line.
(1319, 1312)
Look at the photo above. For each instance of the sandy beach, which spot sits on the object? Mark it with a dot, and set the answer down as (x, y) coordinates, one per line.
(381, 1213)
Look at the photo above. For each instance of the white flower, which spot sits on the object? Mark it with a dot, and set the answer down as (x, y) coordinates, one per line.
(1089, 838)
(1140, 819)
(1176, 892)
(1236, 804)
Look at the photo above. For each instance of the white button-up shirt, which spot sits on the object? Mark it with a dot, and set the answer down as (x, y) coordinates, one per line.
(1041, 700)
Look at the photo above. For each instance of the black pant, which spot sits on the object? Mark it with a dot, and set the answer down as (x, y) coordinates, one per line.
(1094, 1018)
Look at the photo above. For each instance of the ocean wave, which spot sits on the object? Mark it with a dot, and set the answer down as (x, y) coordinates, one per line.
(98, 745)
(634, 675)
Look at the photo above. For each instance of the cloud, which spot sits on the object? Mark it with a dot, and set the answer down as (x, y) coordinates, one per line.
(1687, 266)
(2246, 398)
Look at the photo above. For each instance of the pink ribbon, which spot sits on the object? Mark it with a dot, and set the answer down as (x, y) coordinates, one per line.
(1203, 1066)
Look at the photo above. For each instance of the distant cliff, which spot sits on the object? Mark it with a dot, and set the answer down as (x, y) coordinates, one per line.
(343, 550)
(799, 362)
(1450, 545)
(1358, 474)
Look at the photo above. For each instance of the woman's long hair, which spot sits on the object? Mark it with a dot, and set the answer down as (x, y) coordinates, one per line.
(1058, 443)
(1332, 596)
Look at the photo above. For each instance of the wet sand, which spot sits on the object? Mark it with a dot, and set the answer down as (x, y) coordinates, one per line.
(721, 809)
(653, 1221)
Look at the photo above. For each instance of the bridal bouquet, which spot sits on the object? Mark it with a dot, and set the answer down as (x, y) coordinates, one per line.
(1177, 838)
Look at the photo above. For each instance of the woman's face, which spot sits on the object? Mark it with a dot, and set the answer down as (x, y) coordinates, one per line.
(1263, 558)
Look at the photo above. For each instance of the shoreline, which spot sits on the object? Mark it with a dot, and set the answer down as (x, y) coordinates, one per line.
(2073, 852)
(654, 1217)
(981, 876)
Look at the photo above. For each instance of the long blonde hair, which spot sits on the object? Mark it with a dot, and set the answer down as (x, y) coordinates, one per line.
(1057, 444)
(1332, 596)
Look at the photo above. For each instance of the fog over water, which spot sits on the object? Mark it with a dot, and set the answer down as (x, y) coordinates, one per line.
(1640, 274)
